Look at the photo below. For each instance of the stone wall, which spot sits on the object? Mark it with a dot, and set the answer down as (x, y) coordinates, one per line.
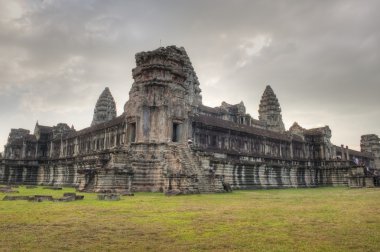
(243, 172)
(31, 172)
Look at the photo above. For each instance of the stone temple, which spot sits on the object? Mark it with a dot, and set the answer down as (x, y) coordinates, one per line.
(167, 140)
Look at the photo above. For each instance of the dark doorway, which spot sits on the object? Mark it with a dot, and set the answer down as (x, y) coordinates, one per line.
(132, 132)
(176, 133)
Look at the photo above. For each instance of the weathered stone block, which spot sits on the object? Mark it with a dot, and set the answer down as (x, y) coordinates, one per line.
(110, 197)
(79, 197)
(52, 187)
(66, 198)
(174, 192)
(41, 198)
(127, 194)
(69, 194)
(7, 190)
(9, 198)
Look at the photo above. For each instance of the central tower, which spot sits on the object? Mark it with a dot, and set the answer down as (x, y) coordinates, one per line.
(162, 97)
(270, 111)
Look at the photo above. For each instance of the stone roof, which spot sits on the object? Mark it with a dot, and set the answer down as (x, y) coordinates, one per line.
(296, 127)
(316, 131)
(217, 112)
(208, 109)
(45, 129)
(224, 108)
(355, 152)
(360, 154)
(258, 122)
(232, 108)
(216, 122)
(116, 121)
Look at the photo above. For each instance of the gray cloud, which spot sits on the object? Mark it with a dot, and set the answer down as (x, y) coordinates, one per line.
(321, 57)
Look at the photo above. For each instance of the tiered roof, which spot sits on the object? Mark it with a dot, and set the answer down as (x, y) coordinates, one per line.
(270, 110)
(105, 108)
(269, 102)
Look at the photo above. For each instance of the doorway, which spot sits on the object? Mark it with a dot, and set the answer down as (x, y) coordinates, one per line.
(176, 132)
(132, 132)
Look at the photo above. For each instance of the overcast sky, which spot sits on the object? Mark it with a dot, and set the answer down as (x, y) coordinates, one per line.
(322, 58)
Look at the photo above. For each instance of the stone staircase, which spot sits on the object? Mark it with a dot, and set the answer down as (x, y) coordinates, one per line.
(197, 178)
(161, 167)
(188, 163)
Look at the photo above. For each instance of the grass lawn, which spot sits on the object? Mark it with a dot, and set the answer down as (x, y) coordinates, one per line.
(321, 219)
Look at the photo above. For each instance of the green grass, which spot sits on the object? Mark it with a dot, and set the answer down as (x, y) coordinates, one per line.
(322, 219)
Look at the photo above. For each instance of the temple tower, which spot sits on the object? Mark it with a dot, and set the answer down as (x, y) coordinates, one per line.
(162, 97)
(371, 143)
(270, 111)
(105, 108)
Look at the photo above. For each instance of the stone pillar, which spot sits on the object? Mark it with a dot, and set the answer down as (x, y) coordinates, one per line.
(36, 154)
(85, 144)
(108, 140)
(76, 146)
(130, 183)
(322, 150)
(304, 150)
(51, 149)
(347, 153)
(343, 152)
(291, 150)
(104, 140)
(115, 139)
(61, 149)
(66, 153)
(23, 150)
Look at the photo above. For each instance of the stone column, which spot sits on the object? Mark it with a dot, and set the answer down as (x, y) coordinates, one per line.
(36, 154)
(129, 183)
(343, 152)
(85, 145)
(322, 150)
(51, 149)
(66, 153)
(115, 139)
(61, 149)
(304, 150)
(291, 150)
(104, 140)
(76, 146)
(23, 150)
